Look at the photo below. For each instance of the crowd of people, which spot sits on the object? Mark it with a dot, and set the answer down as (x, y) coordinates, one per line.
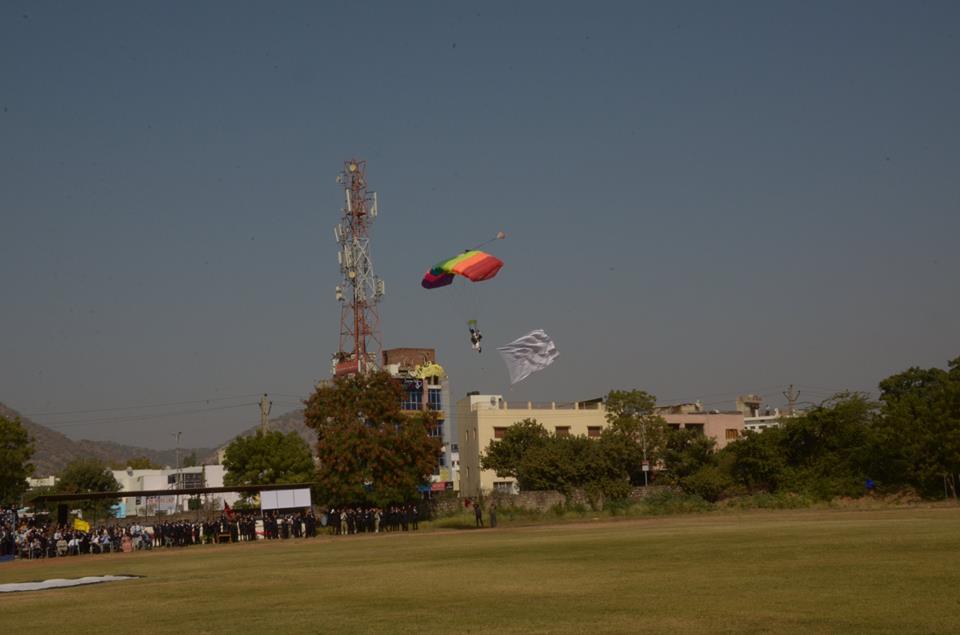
(358, 520)
(37, 537)
(31, 538)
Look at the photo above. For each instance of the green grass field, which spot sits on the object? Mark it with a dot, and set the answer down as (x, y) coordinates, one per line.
(891, 571)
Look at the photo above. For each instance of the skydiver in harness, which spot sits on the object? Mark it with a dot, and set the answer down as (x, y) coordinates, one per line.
(475, 335)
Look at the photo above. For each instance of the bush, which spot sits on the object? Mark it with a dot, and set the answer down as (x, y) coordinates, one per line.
(708, 482)
(673, 502)
(460, 520)
(766, 500)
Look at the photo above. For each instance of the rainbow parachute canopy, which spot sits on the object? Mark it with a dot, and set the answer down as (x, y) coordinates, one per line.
(474, 265)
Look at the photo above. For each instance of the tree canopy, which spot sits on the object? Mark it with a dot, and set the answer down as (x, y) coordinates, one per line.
(89, 475)
(370, 451)
(506, 455)
(918, 434)
(267, 458)
(16, 448)
(136, 463)
(636, 429)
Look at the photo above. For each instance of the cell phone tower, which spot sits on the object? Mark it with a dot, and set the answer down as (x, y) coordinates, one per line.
(361, 290)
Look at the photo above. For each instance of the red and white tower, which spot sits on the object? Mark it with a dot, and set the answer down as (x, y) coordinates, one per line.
(361, 290)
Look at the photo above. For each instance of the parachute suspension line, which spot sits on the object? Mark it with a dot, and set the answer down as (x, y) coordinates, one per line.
(499, 236)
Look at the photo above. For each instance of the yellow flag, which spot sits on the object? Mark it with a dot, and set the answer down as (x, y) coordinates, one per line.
(80, 524)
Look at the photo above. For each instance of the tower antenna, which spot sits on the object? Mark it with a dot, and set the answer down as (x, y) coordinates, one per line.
(360, 290)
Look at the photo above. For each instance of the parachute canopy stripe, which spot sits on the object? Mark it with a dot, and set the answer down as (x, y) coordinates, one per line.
(474, 265)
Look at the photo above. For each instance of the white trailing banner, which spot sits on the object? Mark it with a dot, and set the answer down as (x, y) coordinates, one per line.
(528, 354)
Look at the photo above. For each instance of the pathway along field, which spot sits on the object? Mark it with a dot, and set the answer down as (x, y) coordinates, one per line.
(895, 571)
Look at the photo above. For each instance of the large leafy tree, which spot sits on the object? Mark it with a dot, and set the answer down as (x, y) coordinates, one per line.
(89, 475)
(687, 452)
(369, 450)
(828, 451)
(918, 435)
(16, 448)
(693, 464)
(636, 430)
(268, 458)
(505, 455)
(542, 461)
(757, 460)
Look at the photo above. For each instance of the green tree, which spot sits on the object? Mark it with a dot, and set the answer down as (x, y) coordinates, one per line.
(370, 451)
(828, 451)
(506, 454)
(757, 460)
(565, 463)
(918, 433)
(136, 463)
(267, 458)
(16, 448)
(191, 460)
(686, 453)
(632, 417)
(542, 461)
(89, 475)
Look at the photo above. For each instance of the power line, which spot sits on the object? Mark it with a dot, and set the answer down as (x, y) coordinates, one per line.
(156, 405)
(138, 418)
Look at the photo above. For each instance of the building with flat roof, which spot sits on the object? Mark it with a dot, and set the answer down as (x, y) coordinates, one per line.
(485, 418)
(170, 478)
(426, 388)
(482, 419)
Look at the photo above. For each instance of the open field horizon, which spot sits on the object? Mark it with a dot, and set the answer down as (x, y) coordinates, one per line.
(889, 570)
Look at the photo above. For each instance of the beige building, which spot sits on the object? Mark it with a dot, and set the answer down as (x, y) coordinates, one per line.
(485, 418)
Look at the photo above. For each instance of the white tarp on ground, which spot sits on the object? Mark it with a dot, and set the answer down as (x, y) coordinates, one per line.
(528, 354)
(285, 498)
(59, 583)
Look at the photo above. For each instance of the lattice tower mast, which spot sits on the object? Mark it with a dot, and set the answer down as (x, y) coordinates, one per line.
(361, 290)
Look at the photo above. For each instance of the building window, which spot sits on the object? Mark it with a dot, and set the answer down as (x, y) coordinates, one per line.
(562, 431)
(674, 426)
(443, 461)
(433, 400)
(732, 433)
(593, 431)
(436, 431)
(695, 427)
(499, 433)
(412, 399)
(505, 487)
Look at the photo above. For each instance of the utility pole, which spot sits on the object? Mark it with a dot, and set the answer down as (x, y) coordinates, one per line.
(791, 396)
(179, 477)
(265, 404)
(646, 466)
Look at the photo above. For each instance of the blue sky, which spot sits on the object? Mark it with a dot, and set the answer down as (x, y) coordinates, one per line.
(701, 199)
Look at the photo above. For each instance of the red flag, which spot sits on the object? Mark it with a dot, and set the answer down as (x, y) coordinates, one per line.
(227, 511)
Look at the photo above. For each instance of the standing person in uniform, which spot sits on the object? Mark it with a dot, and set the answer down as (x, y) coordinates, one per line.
(478, 513)
(493, 515)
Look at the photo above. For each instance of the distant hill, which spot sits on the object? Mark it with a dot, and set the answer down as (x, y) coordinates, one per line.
(289, 422)
(54, 450)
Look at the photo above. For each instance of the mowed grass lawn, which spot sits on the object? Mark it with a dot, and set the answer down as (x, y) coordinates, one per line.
(893, 571)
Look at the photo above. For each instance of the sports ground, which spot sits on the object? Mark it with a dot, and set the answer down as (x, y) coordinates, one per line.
(886, 571)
